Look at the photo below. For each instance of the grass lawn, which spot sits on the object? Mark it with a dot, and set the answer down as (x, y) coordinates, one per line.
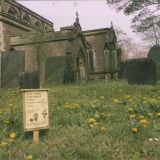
(89, 121)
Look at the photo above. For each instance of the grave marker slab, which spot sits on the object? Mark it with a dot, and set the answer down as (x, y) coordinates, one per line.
(13, 63)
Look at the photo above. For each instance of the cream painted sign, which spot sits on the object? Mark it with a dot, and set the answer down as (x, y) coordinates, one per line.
(35, 109)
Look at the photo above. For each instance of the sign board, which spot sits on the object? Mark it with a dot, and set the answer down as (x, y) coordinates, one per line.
(35, 109)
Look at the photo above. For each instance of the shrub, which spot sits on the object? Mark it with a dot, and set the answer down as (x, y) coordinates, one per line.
(139, 71)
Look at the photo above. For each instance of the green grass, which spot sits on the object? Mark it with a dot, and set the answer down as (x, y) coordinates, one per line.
(89, 121)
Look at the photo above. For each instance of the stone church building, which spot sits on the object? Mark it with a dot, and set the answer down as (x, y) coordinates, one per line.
(28, 43)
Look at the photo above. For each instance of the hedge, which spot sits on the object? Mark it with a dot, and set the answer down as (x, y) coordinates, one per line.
(138, 71)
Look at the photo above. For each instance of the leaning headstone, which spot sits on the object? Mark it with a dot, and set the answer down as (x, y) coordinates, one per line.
(141, 71)
(154, 54)
(29, 80)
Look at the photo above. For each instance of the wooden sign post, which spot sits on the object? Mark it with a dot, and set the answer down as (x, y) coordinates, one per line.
(36, 136)
(35, 111)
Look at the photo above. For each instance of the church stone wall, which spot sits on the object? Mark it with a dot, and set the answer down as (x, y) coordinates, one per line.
(30, 57)
(10, 30)
(55, 48)
(1, 37)
(98, 42)
(48, 49)
(17, 13)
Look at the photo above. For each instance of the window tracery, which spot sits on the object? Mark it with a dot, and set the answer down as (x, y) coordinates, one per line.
(13, 12)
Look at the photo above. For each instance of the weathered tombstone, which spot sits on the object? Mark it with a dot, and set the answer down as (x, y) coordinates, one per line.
(59, 69)
(154, 54)
(12, 63)
(29, 80)
(141, 71)
(54, 69)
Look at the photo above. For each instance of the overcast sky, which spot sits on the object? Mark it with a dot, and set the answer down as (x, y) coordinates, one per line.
(93, 14)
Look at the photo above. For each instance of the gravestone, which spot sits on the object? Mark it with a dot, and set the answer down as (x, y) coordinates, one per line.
(29, 80)
(59, 69)
(12, 64)
(54, 69)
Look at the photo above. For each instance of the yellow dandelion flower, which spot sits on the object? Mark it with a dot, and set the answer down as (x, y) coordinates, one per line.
(66, 105)
(3, 143)
(130, 110)
(80, 114)
(11, 140)
(141, 117)
(144, 125)
(95, 101)
(76, 105)
(144, 98)
(103, 128)
(92, 120)
(154, 100)
(12, 135)
(91, 125)
(29, 157)
(144, 102)
(95, 123)
(143, 121)
(127, 96)
(101, 97)
(158, 114)
(132, 116)
(115, 101)
(150, 114)
(135, 130)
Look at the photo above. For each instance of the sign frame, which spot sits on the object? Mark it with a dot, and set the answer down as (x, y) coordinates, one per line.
(24, 91)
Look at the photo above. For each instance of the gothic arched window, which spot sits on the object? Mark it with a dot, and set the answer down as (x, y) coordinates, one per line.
(90, 57)
(13, 12)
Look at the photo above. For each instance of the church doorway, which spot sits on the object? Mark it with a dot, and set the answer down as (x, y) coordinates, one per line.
(81, 73)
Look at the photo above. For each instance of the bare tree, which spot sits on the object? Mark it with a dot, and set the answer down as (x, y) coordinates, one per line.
(146, 15)
(130, 49)
(149, 28)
